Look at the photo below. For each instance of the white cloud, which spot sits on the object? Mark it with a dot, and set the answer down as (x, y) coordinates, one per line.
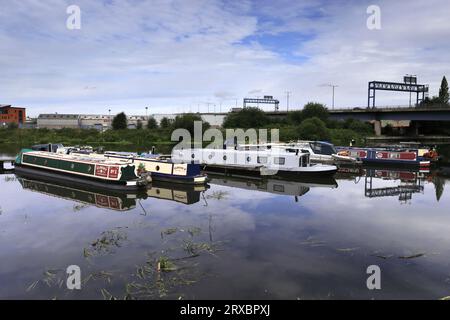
(172, 55)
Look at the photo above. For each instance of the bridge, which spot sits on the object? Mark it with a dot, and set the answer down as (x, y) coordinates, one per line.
(375, 115)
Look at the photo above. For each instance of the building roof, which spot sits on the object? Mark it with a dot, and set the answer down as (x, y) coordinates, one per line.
(9, 106)
(58, 116)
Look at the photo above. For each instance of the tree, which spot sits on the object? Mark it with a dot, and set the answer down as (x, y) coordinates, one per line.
(165, 123)
(295, 117)
(246, 118)
(443, 91)
(186, 121)
(313, 129)
(314, 109)
(139, 125)
(152, 124)
(120, 121)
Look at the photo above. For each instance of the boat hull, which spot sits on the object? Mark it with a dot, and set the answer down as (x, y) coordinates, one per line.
(77, 180)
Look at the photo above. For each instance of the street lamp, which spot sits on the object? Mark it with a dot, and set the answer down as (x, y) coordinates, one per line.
(332, 101)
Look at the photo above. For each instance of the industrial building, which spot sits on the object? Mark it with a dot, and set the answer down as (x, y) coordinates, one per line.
(9, 114)
(84, 121)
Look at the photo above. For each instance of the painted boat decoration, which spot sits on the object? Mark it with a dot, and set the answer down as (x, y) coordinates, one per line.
(261, 162)
(98, 172)
(160, 168)
(386, 156)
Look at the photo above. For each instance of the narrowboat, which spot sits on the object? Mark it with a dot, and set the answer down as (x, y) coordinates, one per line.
(320, 151)
(98, 172)
(387, 156)
(160, 168)
(261, 162)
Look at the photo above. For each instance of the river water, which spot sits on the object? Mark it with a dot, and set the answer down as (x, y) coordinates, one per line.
(234, 239)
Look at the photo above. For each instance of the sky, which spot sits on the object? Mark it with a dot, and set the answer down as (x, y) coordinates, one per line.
(207, 55)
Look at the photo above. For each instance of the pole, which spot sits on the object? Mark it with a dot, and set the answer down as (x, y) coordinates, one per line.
(287, 100)
(333, 98)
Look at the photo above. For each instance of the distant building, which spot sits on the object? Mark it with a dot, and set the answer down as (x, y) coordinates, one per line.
(10, 114)
(58, 121)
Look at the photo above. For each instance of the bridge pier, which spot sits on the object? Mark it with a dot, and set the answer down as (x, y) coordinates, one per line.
(377, 127)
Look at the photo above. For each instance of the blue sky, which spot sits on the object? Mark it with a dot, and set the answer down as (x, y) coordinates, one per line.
(175, 56)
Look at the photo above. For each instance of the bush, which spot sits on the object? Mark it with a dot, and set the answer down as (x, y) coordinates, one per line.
(295, 117)
(313, 129)
(186, 121)
(313, 109)
(152, 124)
(342, 137)
(165, 123)
(246, 118)
(119, 122)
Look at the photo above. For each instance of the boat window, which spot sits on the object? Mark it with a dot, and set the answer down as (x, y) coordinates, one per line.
(262, 160)
(224, 157)
(322, 148)
(249, 159)
(279, 160)
(278, 188)
(304, 161)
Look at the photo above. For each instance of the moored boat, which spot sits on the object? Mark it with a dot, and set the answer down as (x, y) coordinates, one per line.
(261, 162)
(97, 172)
(320, 151)
(387, 156)
(160, 168)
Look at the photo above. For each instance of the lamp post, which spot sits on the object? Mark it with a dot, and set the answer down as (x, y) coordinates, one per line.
(332, 99)
(287, 100)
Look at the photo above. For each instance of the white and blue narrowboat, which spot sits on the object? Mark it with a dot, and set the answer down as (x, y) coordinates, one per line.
(161, 168)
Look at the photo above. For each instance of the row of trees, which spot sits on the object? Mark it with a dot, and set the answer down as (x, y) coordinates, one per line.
(312, 122)
(120, 122)
(185, 121)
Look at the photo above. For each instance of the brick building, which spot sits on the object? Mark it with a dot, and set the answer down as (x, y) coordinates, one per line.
(10, 114)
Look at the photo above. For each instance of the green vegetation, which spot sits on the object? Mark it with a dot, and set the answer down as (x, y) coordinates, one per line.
(152, 124)
(310, 123)
(246, 118)
(119, 122)
(442, 100)
(186, 121)
(443, 92)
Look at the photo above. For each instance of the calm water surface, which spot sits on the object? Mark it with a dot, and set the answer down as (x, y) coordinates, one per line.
(238, 238)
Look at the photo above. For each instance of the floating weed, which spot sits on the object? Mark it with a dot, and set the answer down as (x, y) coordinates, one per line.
(107, 295)
(417, 255)
(108, 241)
(347, 249)
(194, 231)
(218, 195)
(165, 264)
(311, 241)
(168, 231)
(32, 286)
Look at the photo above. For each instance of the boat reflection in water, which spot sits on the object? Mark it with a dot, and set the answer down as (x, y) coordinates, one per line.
(403, 182)
(112, 199)
(276, 185)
